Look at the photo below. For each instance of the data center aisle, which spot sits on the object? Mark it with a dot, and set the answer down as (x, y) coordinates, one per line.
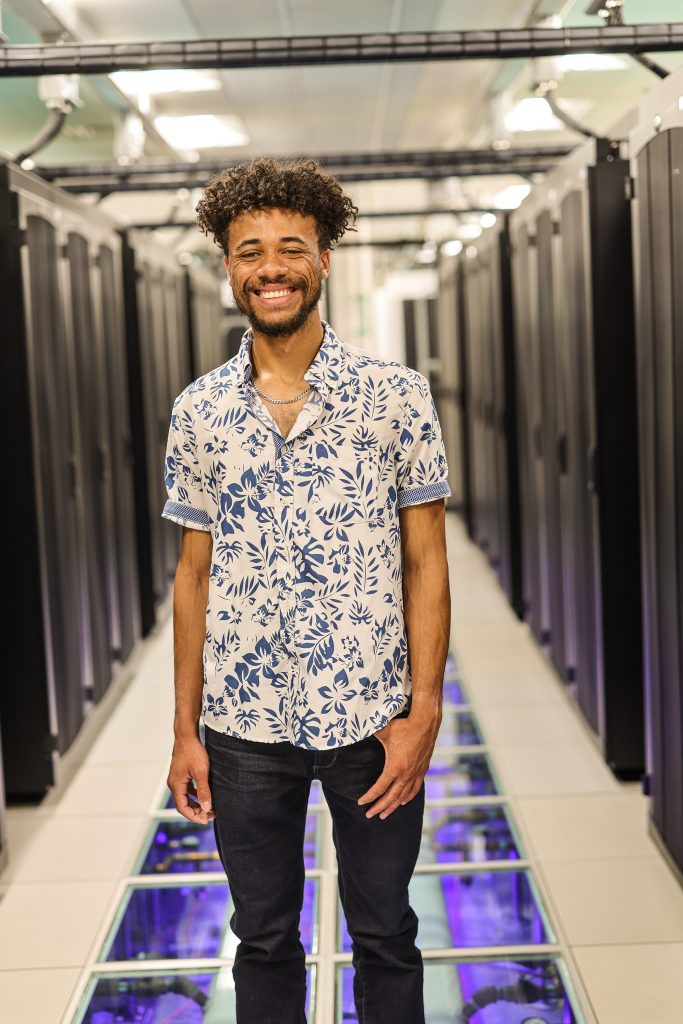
(541, 899)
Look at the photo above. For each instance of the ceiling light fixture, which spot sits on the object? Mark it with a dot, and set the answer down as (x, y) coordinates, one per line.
(511, 197)
(453, 247)
(532, 114)
(591, 62)
(201, 131)
(152, 83)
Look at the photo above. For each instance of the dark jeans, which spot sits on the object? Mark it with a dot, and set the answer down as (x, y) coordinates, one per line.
(260, 795)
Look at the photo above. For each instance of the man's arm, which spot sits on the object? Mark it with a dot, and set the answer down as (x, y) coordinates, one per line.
(409, 742)
(188, 774)
(426, 604)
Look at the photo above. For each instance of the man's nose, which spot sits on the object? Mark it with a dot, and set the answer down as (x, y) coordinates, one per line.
(272, 265)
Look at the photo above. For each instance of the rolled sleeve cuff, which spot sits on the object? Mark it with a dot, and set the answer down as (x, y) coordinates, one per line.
(419, 495)
(186, 515)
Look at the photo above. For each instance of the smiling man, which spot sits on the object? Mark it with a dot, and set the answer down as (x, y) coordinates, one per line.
(311, 603)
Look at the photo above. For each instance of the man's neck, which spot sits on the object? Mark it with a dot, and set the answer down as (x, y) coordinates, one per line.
(283, 361)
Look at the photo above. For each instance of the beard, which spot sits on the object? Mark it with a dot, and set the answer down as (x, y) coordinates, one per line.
(281, 328)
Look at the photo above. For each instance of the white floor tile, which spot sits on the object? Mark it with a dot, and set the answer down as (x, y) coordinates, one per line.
(61, 849)
(124, 787)
(46, 925)
(544, 770)
(36, 997)
(549, 723)
(590, 827)
(616, 900)
(634, 984)
(514, 689)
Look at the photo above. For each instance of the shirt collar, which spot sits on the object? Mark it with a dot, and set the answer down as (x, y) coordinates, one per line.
(324, 372)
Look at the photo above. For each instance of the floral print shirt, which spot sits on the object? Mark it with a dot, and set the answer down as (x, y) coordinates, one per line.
(305, 634)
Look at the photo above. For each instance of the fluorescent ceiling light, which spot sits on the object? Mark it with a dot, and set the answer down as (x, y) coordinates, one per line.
(151, 83)
(488, 220)
(591, 62)
(532, 114)
(512, 197)
(469, 230)
(452, 248)
(201, 131)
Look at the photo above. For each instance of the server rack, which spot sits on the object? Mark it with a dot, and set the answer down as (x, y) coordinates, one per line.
(207, 347)
(601, 528)
(158, 349)
(3, 817)
(583, 440)
(530, 421)
(64, 621)
(452, 392)
(656, 146)
(490, 345)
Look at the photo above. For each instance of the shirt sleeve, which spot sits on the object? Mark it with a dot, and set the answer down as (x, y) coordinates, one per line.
(422, 469)
(186, 503)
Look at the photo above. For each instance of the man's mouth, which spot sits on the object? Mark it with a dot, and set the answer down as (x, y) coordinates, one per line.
(275, 295)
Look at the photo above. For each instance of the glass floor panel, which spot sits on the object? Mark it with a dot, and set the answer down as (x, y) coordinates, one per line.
(179, 846)
(181, 997)
(459, 775)
(186, 922)
(483, 908)
(453, 692)
(460, 835)
(458, 729)
(529, 990)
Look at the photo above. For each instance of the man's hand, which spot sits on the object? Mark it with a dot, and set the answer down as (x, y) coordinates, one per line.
(409, 746)
(188, 777)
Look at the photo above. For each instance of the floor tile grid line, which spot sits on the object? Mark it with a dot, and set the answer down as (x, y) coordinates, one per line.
(579, 991)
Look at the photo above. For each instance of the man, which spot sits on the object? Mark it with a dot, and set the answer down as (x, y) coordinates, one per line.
(311, 602)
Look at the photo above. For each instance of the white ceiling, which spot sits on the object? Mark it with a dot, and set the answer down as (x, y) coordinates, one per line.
(323, 109)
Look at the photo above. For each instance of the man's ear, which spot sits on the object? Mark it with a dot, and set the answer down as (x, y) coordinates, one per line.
(226, 264)
(325, 262)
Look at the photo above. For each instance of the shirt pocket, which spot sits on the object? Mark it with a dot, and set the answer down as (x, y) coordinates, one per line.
(352, 488)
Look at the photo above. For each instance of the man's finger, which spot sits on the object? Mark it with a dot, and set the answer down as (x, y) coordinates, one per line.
(391, 797)
(378, 788)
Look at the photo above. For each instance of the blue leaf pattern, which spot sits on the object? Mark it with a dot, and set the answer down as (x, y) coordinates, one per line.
(305, 635)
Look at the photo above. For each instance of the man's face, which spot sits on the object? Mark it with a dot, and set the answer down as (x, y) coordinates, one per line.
(276, 268)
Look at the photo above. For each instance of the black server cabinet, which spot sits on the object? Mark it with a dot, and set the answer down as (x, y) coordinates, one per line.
(550, 399)
(488, 339)
(110, 305)
(93, 415)
(60, 657)
(657, 219)
(530, 424)
(601, 524)
(158, 347)
(452, 390)
(207, 349)
(3, 817)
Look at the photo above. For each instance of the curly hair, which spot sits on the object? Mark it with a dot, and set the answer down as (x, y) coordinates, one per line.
(298, 185)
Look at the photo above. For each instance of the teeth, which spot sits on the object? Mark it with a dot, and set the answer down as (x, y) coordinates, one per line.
(276, 295)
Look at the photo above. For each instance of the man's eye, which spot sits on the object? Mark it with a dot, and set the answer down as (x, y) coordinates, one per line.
(293, 252)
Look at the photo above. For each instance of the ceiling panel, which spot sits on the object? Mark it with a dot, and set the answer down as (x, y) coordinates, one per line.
(128, 20)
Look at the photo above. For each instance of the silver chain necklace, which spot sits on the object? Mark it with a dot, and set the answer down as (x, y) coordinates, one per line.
(281, 401)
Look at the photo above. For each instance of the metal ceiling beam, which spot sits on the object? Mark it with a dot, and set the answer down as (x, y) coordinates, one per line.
(400, 173)
(304, 51)
(359, 161)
